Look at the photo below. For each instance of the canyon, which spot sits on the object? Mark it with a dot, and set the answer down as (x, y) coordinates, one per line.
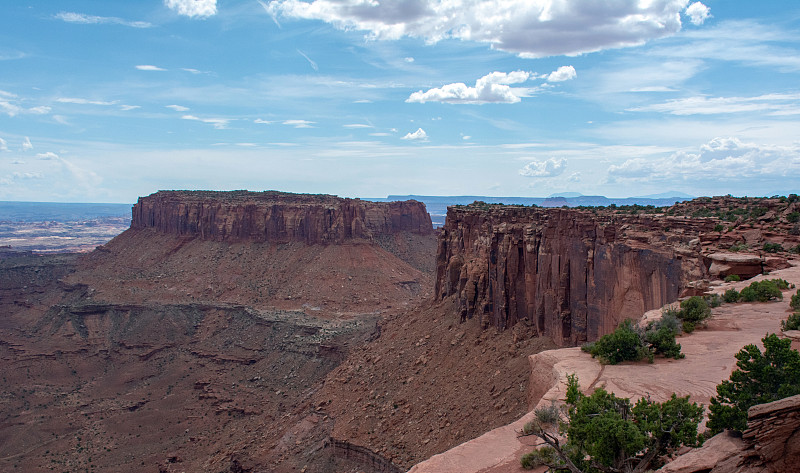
(267, 331)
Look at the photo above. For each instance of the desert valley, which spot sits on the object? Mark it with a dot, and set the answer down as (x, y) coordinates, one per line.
(267, 331)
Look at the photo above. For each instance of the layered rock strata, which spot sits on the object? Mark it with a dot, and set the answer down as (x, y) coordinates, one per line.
(276, 217)
(573, 273)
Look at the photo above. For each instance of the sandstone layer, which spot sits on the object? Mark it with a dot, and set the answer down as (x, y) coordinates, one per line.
(276, 217)
(575, 275)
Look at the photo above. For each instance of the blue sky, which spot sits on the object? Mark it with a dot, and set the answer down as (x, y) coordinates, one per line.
(105, 101)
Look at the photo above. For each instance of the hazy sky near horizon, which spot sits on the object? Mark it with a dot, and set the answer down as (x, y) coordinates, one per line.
(105, 101)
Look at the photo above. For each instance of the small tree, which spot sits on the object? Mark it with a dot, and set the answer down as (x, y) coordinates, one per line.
(760, 378)
(694, 310)
(610, 434)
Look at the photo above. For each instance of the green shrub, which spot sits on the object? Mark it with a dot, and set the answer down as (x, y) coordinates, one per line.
(732, 278)
(694, 311)
(760, 378)
(761, 291)
(731, 296)
(772, 247)
(781, 283)
(793, 217)
(794, 303)
(624, 344)
(792, 323)
(608, 433)
(713, 300)
(661, 339)
(738, 247)
(718, 227)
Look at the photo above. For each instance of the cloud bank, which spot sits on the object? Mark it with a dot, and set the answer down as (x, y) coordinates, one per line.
(524, 27)
(721, 159)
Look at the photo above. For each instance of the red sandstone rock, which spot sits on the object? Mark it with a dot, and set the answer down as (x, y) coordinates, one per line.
(771, 444)
(276, 217)
(744, 265)
(573, 273)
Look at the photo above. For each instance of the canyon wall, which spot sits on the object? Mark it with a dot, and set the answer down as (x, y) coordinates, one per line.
(277, 217)
(572, 273)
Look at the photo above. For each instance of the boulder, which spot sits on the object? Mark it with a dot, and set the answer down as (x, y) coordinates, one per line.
(744, 265)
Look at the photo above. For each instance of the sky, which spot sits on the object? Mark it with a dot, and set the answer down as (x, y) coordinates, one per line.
(106, 101)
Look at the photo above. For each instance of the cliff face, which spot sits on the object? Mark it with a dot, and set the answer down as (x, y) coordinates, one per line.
(276, 217)
(573, 274)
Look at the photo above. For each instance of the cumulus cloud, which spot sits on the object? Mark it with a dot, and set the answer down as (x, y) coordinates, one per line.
(721, 159)
(26, 144)
(71, 17)
(548, 168)
(177, 108)
(418, 135)
(149, 67)
(219, 123)
(193, 8)
(771, 104)
(697, 13)
(527, 28)
(299, 123)
(562, 73)
(48, 156)
(491, 88)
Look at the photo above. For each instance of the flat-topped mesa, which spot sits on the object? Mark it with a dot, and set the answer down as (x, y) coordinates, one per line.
(276, 217)
(572, 273)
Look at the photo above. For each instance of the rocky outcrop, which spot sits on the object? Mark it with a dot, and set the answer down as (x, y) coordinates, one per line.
(744, 265)
(771, 444)
(276, 217)
(573, 273)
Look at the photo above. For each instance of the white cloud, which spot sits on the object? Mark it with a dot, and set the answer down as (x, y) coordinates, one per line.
(491, 88)
(299, 123)
(418, 135)
(149, 67)
(264, 122)
(3, 145)
(193, 8)
(310, 62)
(40, 110)
(129, 107)
(85, 101)
(562, 73)
(408, 59)
(466, 137)
(26, 144)
(525, 27)
(574, 177)
(219, 123)
(177, 108)
(357, 125)
(771, 104)
(48, 156)
(27, 175)
(721, 159)
(697, 13)
(548, 168)
(71, 17)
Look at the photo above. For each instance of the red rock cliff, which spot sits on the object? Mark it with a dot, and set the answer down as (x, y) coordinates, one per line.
(276, 216)
(574, 274)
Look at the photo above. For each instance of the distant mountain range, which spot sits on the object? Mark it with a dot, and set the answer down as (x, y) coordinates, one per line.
(60, 212)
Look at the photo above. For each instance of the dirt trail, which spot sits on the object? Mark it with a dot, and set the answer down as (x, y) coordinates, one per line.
(709, 360)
